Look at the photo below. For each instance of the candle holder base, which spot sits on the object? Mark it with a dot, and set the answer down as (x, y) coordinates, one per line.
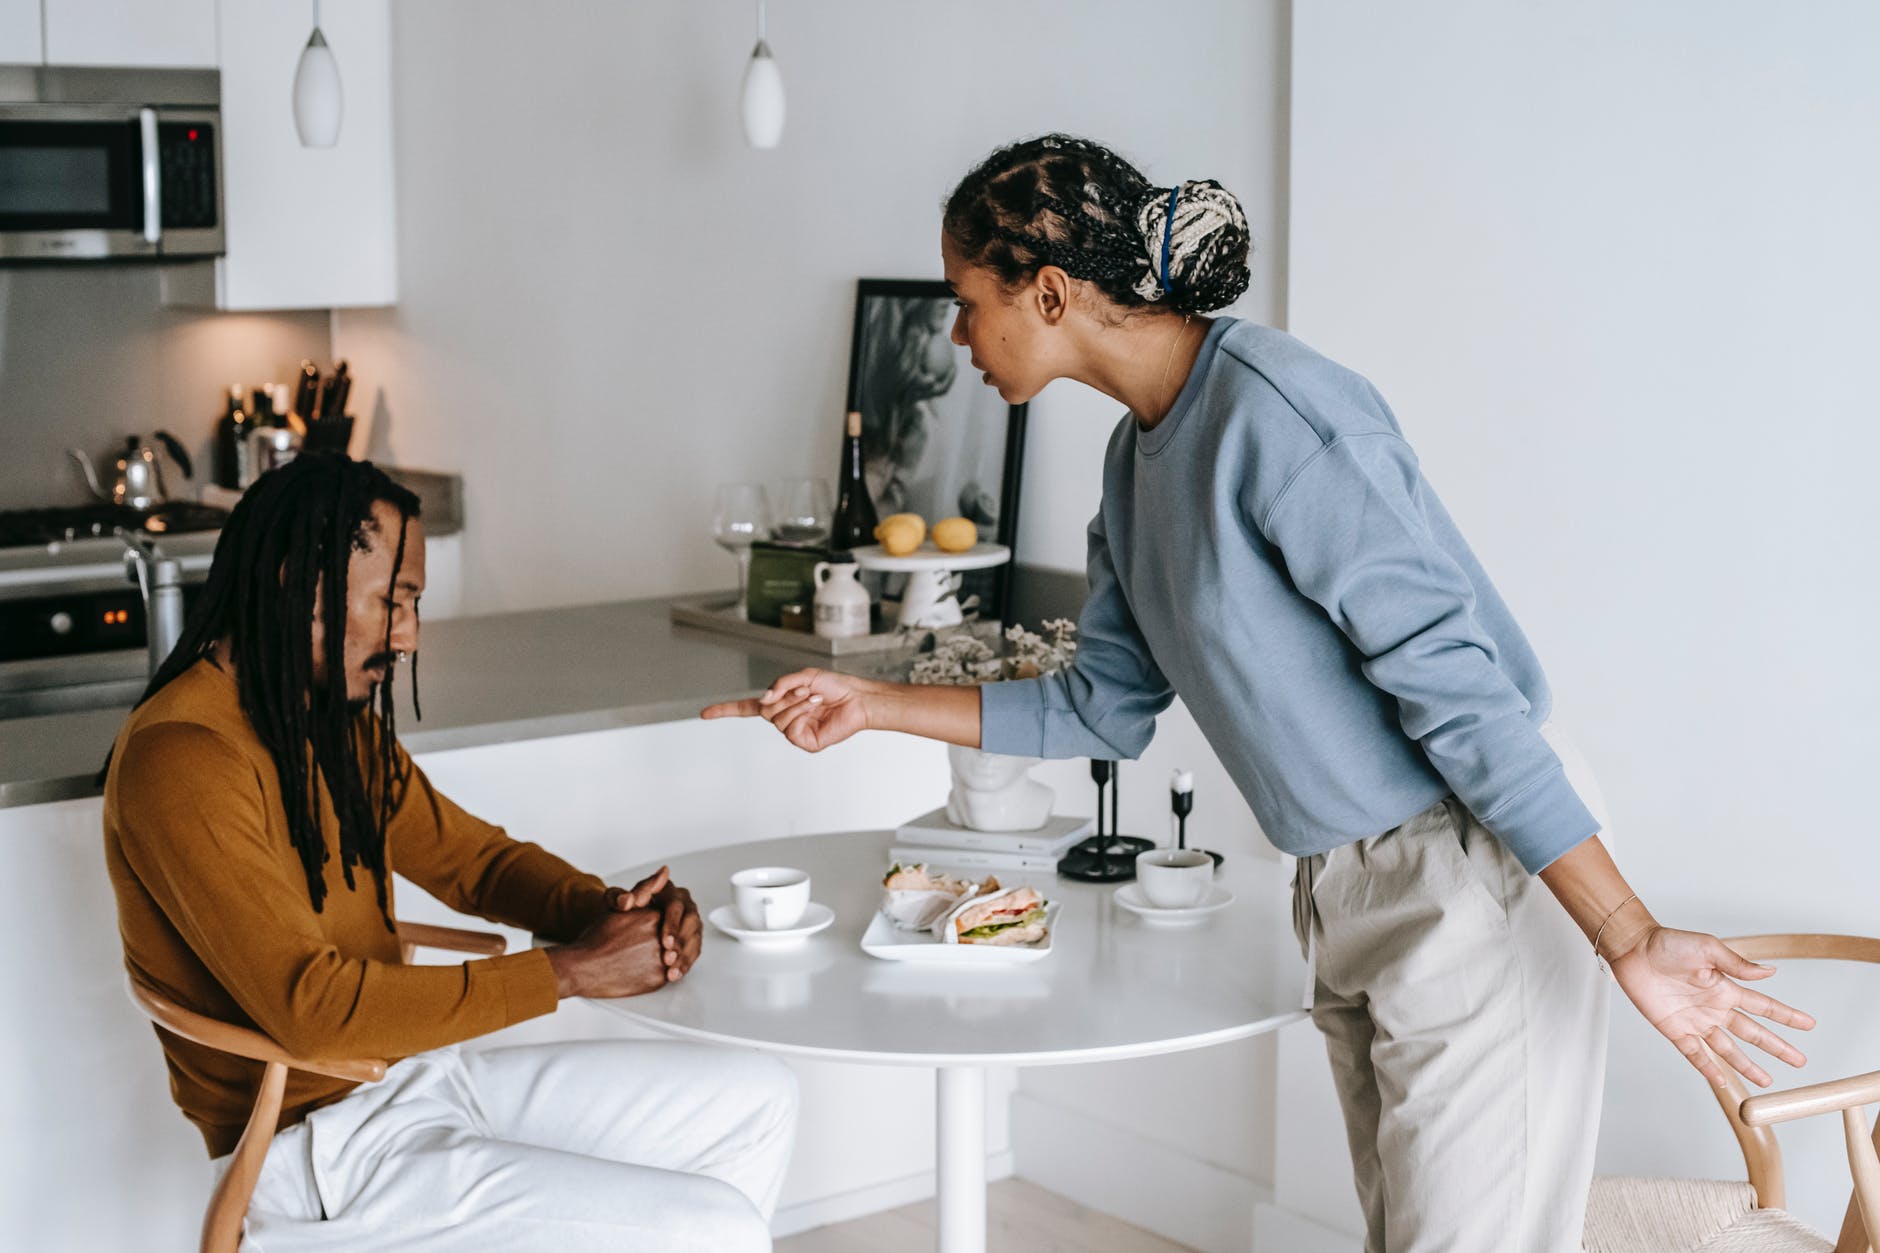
(1103, 858)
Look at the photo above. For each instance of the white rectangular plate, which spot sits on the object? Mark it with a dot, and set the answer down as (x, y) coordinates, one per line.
(885, 940)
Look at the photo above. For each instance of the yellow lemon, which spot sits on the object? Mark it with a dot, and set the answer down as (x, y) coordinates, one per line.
(902, 533)
(955, 535)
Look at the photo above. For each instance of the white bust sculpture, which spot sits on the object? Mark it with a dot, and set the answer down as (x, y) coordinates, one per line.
(994, 792)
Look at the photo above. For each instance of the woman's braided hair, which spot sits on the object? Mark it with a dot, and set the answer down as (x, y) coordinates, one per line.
(1063, 201)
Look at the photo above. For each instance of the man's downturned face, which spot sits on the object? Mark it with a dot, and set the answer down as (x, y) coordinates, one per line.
(372, 601)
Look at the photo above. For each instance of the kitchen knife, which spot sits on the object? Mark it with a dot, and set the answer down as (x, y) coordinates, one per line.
(307, 392)
(334, 393)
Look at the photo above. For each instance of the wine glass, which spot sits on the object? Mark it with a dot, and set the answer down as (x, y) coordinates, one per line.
(804, 510)
(741, 518)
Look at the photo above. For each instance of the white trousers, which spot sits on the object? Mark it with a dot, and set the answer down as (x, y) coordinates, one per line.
(1465, 1018)
(602, 1144)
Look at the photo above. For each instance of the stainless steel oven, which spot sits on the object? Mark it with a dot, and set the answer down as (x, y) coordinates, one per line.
(109, 163)
(72, 630)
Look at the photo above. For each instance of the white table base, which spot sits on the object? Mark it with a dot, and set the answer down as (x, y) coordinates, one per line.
(960, 1160)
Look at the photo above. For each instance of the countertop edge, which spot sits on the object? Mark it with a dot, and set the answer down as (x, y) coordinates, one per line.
(595, 655)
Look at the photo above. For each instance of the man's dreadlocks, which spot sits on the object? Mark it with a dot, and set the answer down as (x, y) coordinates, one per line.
(292, 534)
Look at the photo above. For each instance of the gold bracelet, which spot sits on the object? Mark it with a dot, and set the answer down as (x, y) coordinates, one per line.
(1597, 955)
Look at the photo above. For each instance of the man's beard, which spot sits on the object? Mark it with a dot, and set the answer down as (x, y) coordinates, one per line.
(384, 662)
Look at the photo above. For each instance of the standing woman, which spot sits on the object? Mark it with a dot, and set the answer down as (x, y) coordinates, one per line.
(1268, 549)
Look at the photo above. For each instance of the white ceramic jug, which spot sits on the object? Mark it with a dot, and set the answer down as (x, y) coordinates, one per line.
(841, 602)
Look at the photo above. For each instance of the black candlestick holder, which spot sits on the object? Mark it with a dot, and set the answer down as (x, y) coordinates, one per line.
(1182, 803)
(1106, 857)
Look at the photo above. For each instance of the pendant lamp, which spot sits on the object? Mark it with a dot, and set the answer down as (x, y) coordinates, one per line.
(319, 104)
(761, 103)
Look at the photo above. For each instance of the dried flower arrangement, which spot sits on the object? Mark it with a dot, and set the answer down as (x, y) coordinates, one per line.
(963, 659)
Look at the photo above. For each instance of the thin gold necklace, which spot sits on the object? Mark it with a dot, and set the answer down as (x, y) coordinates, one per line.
(1180, 333)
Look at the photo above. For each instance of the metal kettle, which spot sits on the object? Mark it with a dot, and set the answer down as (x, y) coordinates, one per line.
(138, 481)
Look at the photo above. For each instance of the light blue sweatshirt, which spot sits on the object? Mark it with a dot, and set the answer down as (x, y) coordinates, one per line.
(1271, 552)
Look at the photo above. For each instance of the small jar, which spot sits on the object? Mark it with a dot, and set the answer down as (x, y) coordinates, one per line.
(794, 616)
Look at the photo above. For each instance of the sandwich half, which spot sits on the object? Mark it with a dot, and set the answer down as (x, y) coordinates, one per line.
(1015, 916)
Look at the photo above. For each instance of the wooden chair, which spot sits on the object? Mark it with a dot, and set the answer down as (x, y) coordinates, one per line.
(1635, 1215)
(228, 1204)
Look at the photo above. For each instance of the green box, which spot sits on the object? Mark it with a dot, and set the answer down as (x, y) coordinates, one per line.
(780, 574)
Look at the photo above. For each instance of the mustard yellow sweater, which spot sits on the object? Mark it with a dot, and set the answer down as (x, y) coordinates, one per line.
(214, 912)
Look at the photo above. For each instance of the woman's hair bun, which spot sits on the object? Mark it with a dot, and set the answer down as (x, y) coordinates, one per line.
(1064, 201)
(1206, 245)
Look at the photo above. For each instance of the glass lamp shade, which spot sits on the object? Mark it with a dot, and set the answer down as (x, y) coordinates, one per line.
(319, 105)
(761, 105)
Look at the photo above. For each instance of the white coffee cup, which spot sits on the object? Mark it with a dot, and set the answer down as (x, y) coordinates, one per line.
(1175, 878)
(770, 898)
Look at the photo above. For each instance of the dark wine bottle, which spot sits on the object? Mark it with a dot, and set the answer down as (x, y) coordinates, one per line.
(231, 442)
(855, 519)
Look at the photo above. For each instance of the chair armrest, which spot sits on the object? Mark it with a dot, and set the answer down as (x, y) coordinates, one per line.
(1816, 1098)
(455, 939)
(243, 1041)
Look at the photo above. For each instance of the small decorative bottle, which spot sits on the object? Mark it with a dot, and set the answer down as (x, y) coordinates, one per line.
(842, 603)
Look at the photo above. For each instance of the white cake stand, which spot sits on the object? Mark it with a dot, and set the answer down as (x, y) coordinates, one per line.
(929, 600)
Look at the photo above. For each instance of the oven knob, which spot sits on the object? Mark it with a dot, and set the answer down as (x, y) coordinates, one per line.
(61, 623)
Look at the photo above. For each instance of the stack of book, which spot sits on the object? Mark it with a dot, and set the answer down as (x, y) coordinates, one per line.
(937, 841)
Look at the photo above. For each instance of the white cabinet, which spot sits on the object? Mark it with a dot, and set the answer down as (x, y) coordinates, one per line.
(19, 33)
(177, 33)
(307, 228)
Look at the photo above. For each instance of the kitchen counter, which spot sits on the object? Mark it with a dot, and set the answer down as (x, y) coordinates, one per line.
(489, 680)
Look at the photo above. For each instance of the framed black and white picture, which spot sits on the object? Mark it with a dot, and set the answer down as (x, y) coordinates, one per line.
(937, 441)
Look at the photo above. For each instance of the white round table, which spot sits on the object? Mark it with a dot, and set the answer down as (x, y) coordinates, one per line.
(1113, 987)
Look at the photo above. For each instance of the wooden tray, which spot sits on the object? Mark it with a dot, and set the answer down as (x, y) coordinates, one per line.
(717, 611)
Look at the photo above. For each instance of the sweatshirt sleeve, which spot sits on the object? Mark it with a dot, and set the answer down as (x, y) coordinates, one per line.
(1351, 526)
(204, 854)
(476, 868)
(1104, 704)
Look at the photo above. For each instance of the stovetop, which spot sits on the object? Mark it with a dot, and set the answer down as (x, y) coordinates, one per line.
(29, 528)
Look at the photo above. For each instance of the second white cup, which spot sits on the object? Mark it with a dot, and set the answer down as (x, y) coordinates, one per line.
(1175, 878)
(770, 898)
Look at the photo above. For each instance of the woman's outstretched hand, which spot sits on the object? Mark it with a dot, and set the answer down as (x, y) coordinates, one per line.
(1684, 982)
(813, 708)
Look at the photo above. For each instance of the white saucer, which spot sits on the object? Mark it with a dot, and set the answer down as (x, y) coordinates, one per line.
(1131, 897)
(815, 918)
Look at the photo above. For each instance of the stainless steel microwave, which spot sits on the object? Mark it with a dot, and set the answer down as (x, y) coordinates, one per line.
(109, 163)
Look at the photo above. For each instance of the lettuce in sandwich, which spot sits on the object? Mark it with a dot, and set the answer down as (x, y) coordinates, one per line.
(1016, 916)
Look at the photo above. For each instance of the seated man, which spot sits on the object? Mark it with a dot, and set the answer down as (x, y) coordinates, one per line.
(256, 807)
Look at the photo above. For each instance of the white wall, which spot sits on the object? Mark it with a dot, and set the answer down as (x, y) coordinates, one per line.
(1613, 264)
(609, 304)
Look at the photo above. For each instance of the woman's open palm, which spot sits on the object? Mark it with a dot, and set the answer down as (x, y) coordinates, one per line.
(1684, 982)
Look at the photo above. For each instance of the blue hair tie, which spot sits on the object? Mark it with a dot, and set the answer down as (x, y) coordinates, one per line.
(1168, 237)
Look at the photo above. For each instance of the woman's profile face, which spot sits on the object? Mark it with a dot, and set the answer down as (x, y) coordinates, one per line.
(1001, 331)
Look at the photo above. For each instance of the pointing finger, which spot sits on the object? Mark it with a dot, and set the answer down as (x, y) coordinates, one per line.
(732, 709)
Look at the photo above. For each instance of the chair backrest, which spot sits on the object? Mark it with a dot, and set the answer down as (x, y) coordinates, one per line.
(1762, 1156)
(228, 1204)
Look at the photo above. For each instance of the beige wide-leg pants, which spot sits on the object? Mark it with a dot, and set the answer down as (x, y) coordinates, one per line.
(1465, 1018)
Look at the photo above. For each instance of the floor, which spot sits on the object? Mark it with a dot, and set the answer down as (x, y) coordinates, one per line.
(1020, 1218)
